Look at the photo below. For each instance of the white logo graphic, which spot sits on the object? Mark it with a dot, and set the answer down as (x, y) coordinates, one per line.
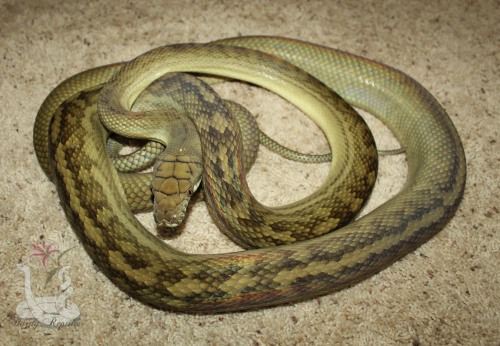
(53, 311)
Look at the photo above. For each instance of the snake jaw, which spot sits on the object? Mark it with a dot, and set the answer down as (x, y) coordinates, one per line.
(172, 219)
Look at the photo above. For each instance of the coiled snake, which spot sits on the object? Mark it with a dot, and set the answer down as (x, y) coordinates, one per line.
(156, 274)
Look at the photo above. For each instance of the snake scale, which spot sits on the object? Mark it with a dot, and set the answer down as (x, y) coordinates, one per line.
(156, 274)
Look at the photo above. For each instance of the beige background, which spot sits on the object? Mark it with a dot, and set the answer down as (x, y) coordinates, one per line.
(446, 292)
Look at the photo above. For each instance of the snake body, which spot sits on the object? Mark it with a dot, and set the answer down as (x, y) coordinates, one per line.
(157, 274)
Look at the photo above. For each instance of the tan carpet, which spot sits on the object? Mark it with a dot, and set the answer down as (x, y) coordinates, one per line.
(446, 292)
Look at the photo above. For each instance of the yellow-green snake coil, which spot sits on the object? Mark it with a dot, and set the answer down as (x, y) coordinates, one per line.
(73, 152)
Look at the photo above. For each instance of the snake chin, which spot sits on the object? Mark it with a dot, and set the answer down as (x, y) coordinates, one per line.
(174, 218)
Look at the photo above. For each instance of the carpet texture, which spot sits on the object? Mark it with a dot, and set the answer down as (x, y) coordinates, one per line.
(446, 292)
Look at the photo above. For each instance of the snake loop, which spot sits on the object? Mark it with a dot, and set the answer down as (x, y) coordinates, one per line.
(239, 215)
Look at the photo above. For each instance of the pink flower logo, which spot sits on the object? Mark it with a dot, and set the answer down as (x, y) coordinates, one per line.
(44, 252)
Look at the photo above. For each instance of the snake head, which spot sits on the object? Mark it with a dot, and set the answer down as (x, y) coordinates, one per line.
(175, 179)
(169, 211)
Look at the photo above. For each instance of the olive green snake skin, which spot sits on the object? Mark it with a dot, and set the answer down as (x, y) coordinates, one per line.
(156, 274)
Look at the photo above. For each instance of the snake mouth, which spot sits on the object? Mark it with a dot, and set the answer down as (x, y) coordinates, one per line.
(168, 224)
(172, 222)
(173, 218)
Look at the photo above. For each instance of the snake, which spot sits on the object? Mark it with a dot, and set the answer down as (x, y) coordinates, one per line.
(171, 192)
(176, 177)
(158, 275)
